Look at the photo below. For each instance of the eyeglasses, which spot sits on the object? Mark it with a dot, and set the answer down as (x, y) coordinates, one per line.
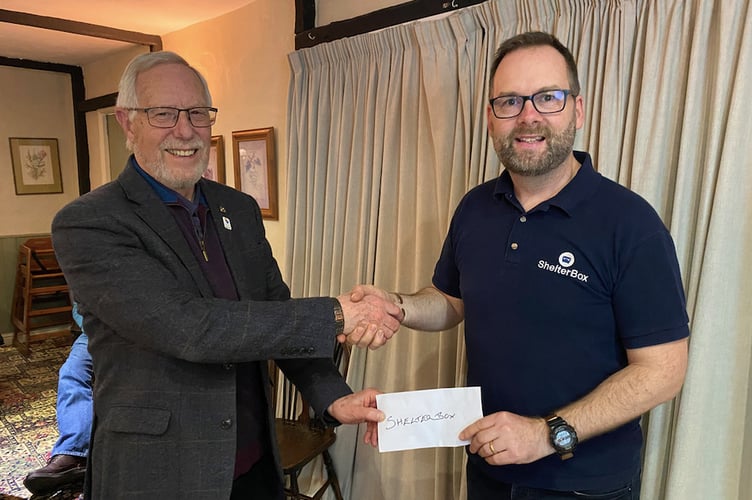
(544, 102)
(165, 117)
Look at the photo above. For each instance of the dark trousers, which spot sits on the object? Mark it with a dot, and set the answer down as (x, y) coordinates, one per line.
(259, 483)
(482, 487)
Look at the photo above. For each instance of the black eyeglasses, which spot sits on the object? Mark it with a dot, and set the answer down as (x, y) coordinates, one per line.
(544, 102)
(165, 117)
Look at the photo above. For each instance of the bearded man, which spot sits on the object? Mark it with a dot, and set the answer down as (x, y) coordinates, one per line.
(184, 304)
(569, 286)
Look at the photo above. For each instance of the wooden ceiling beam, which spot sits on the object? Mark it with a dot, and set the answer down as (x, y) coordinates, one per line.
(154, 42)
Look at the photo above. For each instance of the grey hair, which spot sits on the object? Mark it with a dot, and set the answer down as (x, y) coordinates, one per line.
(127, 97)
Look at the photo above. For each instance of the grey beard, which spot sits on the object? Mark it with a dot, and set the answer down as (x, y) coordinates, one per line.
(166, 177)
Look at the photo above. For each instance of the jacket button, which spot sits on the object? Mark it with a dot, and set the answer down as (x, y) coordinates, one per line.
(311, 350)
(228, 366)
(226, 424)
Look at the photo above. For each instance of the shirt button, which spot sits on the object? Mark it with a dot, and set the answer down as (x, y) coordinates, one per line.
(226, 423)
(523, 219)
(514, 246)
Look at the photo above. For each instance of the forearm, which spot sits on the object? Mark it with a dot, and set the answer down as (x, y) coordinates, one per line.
(429, 310)
(630, 392)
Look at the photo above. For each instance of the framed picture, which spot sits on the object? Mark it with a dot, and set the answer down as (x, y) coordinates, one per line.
(36, 165)
(256, 169)
(216, 169)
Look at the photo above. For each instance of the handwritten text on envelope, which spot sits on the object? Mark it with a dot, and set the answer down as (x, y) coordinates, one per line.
(427, 419)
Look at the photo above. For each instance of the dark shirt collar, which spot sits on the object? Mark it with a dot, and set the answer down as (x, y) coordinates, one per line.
(579, 188)
(170, 196)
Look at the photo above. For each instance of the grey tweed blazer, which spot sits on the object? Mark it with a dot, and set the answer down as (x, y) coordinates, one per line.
(165, 351)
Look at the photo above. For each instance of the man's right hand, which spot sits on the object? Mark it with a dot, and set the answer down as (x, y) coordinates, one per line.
(371, 317)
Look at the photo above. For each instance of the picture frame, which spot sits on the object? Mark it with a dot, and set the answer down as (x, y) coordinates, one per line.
(253, 154)
(215, 170)
(36, 165)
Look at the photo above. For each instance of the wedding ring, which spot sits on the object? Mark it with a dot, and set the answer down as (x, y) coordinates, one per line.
(490, 447)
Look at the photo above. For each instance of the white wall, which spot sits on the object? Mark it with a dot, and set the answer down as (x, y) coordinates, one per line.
(35, 104)
(243, 56)
(101, 77)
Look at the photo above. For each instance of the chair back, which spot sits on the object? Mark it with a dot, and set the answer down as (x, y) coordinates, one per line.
(300, 438)
(38, 254)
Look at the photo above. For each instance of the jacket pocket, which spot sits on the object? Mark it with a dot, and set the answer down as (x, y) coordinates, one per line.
(137, 420)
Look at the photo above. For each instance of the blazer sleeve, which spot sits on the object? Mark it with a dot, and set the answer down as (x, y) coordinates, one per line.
(120, 261)
(318, 380)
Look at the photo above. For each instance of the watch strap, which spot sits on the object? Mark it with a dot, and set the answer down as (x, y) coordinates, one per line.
(339, 318)
(555, 422)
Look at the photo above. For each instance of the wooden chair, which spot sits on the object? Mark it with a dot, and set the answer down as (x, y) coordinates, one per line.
(41, 305)
(302, 438)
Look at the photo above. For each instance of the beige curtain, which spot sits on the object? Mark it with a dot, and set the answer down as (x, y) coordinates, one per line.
(387, 131)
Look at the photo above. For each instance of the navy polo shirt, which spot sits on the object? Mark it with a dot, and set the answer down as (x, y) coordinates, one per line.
(552, 298)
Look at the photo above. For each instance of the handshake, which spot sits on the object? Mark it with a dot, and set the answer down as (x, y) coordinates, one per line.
(372, 316)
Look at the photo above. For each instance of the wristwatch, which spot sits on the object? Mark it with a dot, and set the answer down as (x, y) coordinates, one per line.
(563, 436)
(339, 318)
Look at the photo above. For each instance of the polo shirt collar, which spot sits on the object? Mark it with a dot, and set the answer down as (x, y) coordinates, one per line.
(578, 189)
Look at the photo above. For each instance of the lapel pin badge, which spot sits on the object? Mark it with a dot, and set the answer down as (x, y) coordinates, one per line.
(227, 223)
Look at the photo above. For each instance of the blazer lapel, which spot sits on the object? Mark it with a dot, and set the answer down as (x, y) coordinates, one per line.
(150, 208)
(228, 219)
(224, 220)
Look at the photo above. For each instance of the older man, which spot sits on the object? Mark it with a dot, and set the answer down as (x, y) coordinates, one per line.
(183, 303)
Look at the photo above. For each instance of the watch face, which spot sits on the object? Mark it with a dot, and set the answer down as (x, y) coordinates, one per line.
(563, 438)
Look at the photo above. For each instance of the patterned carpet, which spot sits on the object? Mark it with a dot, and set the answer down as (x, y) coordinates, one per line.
(28, 429)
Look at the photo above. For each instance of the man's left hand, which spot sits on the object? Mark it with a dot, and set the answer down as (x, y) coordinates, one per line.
(357, 408)
(506, 438)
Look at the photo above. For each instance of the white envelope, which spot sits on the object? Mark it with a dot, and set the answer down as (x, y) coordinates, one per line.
(427, 419)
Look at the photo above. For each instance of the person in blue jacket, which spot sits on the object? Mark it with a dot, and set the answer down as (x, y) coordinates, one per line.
(67, 464)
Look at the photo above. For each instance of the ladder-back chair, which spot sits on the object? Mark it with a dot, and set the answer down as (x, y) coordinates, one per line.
(302, 438)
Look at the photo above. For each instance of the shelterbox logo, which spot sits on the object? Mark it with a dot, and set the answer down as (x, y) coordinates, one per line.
(566, 261)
